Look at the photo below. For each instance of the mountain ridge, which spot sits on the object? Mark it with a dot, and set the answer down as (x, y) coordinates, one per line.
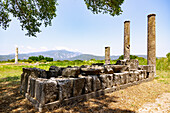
(61, 55)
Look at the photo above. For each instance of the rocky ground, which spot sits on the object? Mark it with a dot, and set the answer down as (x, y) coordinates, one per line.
(147, 97)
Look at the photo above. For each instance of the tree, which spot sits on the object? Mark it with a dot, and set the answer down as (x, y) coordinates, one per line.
(33, 13)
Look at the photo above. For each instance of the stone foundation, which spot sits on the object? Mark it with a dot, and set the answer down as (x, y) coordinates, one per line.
(64, 86)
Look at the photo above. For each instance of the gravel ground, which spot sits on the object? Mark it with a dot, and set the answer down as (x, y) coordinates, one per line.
(162, 105)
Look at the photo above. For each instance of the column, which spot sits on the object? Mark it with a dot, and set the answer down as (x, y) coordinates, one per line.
(107, 55)
(16, 55)
(151, 49)
(127, 40)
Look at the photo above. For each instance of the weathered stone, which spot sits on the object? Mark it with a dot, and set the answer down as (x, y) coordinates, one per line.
(151, 49)
(132, 76)
(56, 70)
(122, 78)
(133, 64)
(90, 71)
(87, 84)
(127, 40)
(39, 91)
(108, 69)
(42, 73)
(116, 78)
(65, 88)
(24, 80)
(119, 68)
(103, 79)
(32, 87)
(109, 80)
(107, 55)
(71, 72)
(78, 85)
(96, 83)
(148, 68)
(51, 91)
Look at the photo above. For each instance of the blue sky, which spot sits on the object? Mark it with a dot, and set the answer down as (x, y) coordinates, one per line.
(77, 29)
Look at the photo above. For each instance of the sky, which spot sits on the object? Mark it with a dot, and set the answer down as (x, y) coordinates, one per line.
(75, 28)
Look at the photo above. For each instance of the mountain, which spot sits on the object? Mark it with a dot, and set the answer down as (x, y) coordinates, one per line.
(55, 54)
(61, 55)
(89, 56)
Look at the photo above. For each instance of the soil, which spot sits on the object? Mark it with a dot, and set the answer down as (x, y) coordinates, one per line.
(151, 96)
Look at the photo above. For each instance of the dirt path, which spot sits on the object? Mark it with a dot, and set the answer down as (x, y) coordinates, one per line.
(162, 105)
(129, 100)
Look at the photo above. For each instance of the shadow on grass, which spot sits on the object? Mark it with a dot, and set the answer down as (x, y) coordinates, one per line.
(15, 78)
(10, 98)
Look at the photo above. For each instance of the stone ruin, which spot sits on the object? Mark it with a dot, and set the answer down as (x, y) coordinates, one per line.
(61, 86)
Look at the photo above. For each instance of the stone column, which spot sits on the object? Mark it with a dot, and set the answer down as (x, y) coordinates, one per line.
(151, 49)
(16, 55)
(127, 40)
(107, 55)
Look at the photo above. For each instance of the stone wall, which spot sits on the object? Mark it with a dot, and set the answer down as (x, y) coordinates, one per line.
(63, 86)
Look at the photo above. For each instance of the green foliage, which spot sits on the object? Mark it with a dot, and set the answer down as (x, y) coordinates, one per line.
(40, 58)
(33, 13)
(30, 13)
(131, 57)
(105, 6)
(163, 63)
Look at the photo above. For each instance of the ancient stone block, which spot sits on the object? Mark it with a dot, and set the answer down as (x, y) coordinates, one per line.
(39, 91)
(127, 40)
(32, 87)
(65, 88)
(104, 81)
(132, 76)
(56, 70)
(87, 84)
(92, 71)
(108, 69)
(42, 73)
(109, 80)
(96, 83)
(122, 78)
(133, 64)
(116, 77)
(51, 91)
(71, 72)
(119, 68)
(78, 85)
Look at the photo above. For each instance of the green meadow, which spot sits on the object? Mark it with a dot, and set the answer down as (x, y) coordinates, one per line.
(10, 72)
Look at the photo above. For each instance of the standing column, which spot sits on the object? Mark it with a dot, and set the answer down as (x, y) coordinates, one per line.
(127, 40)
(151, 53)
(107, 55)
(16, 55)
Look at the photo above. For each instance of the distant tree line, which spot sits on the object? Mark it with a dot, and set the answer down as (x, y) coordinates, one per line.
(39, 58)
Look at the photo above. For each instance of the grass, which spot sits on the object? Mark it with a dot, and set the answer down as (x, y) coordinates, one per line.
(127, 100)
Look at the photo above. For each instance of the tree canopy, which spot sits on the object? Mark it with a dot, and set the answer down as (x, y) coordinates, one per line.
(33, 13)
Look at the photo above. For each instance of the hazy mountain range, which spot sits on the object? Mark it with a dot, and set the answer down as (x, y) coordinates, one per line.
(60, 55)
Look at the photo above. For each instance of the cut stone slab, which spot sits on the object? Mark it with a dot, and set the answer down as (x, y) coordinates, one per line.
(65, 88)
(71, 72)
(78, 86)
(96, 83)
(87, 84)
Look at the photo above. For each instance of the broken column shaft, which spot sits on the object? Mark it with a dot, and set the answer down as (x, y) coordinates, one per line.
(107, 55)
(16, 55)
(127, 40)
(151, 49)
